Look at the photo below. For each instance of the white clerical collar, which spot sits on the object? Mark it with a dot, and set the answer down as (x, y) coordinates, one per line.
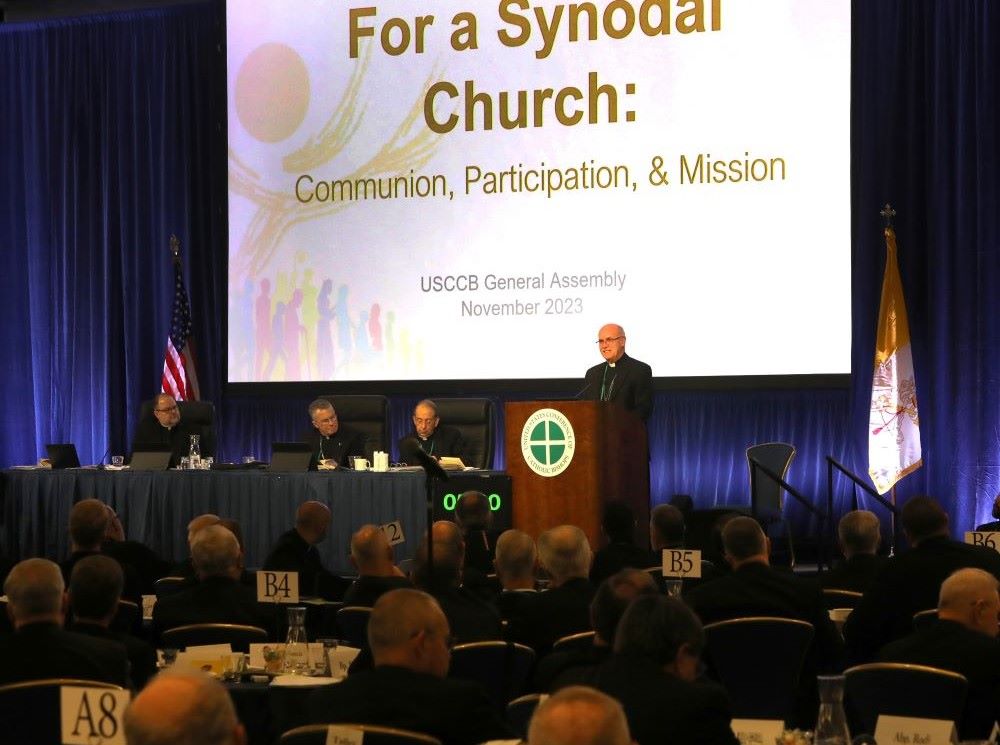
(611, 364)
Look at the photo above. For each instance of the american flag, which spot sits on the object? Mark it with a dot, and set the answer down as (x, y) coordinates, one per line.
(179, 378)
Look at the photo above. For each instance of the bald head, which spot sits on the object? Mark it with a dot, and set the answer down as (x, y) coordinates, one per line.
(473, 512)
(181, 707)
(35, 592)
(744, 542)
(408, 629)
(611, 341)
(312, 520)
(449, 557)
(88, 522)
(564, 552)
(578, 715)
(969, 597)
(371, 553)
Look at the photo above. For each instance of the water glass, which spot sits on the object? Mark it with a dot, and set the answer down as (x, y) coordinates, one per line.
(186, 463)
(118, 461)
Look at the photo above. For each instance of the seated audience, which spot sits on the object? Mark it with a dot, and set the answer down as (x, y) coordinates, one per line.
(88, 524)
(653, 673)
(668, 530)
(183, 707)
(94, 590)
(431, 436)
(247, 578)
(560, 668)
(148, 566)
(859, 535)
(372, 556)
(332, 443)
(563, 609)
(218, 596)
(620, 551)
(295, 551)
(39, 648)
(995, 525)
(186, 568)
(515, 562)
(471, 619)
(963, 640)
(911, 581)
(579, 716)
(164, 429)
(408, 688)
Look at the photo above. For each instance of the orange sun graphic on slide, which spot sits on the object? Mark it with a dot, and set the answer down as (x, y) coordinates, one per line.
(272, 92)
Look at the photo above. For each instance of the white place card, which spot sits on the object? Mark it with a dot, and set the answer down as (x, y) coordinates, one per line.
(341, 658)
(891, 730)
(990, 539)
(681, 562)
(394, 532)
(277, 587)
(148, 601)
(92, 715)
(338, 735)
(757, 731)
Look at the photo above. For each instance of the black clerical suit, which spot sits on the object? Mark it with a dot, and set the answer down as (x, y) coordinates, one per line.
(339, 446)
(212, 600)
(856, 574)
(291, 553)
(151, 435)
(629, 383)
(38, 651)
(444, 441)
(141, 656)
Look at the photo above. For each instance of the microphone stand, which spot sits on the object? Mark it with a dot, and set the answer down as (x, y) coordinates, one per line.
(432, 471)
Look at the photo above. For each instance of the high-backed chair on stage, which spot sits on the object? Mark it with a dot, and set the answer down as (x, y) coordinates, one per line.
(30, 710)
(759, 660)
(316, 734)
(239, 636)
(474, 418)
(766, 494)
(367, 414)
(901, 690)
(201, 413)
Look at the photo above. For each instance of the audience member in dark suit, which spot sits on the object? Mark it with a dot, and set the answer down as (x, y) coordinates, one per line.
(218, 597)
(560, 668)
(755, 589)
(668, 530)
(39, 648)
(372, 556)
(620, 378)
(620, 551)
(164, 429)
(579, 715)
(295, 551)
(332, 443)
(910, 582)
(183, 706)
(475, 520)
(963, 640)
(88, 523)
(471, 619)
(147, 564)
(995, 525)
(515, 561)
(435, 439)
(653, 672)
(94, 590)
(563, 609)
(186, 568)
(408, 687)
(859, 535)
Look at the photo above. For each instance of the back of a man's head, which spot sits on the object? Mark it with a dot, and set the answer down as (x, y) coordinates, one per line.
(613, 596)
(200, 522)
(34, 590)
(923, 518)
(95, 587)
(88, 522)
(742, 539)
(215, 552)
(312, 520)
(473, 512)
(370, 551)
(858, 531)
(969, 597)
(397, 619)
(564, 552)
(181, 707)
(655, 628)
(515, 557)
(666, 527)
(578, 715)
(449, 557)
(618, 522)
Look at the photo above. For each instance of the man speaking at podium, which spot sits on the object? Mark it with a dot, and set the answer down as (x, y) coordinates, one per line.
(619, 379)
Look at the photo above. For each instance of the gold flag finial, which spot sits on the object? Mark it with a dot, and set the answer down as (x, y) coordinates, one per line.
(888, 213)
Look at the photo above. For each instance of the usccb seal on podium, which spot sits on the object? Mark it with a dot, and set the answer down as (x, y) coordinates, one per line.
(548, 442)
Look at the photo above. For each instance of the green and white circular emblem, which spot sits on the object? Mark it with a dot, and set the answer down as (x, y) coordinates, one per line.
(548, 442)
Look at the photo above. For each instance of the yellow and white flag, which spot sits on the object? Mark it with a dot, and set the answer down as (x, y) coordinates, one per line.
(894, 427)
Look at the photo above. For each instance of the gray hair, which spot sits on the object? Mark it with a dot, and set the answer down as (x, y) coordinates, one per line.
(34, 587)
(964, 587)
(215, 551)
(208, 715)
(742, 538)
(858, 531)
(515, 554)
(320, 404)
(578, 715)
(564, 552)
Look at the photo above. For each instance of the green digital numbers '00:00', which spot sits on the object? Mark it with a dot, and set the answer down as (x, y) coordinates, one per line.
(450, 501)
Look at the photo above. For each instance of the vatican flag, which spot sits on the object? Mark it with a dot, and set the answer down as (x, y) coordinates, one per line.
(894, 427)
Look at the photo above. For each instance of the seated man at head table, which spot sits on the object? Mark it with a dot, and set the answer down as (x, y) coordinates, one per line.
(166, 430)
(435, 439)
(408, 688)
(333, 443)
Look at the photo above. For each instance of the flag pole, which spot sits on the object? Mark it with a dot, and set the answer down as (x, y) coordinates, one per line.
(888, 213)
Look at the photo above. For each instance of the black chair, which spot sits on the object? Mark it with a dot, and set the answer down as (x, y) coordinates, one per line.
(502, 668)
(901, 690)
(166, 586)
(834, 598)
(520, 711)
(30, 710)
(474, 419)
(239, 636)
(128, 618)
(583, 640)
(759, 660)
(924, 618)
(201, 413)
(766, 494)
(352, 620)
(367, 414)
(316, 734)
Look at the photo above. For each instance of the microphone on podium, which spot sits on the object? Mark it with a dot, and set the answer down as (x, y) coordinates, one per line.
(410, 449)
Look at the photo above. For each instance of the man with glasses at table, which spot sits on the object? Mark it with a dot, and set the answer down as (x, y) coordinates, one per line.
(333, 444)
(620, 379)
(165, 429)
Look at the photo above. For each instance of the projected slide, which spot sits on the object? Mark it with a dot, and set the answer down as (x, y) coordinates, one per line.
(440, 190)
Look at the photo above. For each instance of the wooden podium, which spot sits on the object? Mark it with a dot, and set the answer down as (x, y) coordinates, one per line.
(610, 460)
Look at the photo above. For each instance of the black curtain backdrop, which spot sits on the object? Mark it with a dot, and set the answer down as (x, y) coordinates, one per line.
(115, 138)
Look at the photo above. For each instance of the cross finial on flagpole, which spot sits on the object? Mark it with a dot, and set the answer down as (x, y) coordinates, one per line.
(888, 213)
